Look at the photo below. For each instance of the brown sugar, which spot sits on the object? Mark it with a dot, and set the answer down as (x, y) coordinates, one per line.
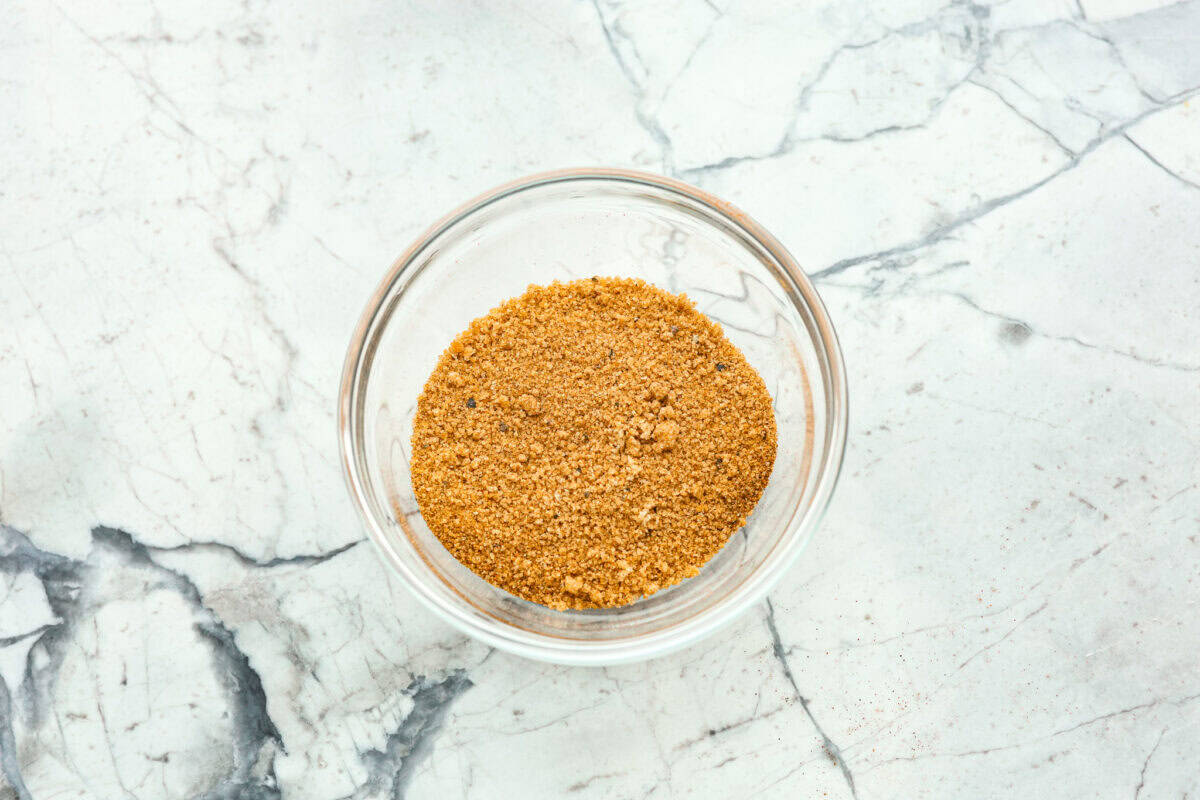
(589, 443)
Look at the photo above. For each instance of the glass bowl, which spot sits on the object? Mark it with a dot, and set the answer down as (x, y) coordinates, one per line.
(562, 226)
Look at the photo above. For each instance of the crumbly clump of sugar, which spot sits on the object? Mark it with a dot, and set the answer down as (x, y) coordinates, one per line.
(589, 443)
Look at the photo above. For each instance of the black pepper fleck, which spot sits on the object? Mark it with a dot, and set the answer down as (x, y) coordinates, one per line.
(503, 428)
(470, 402)
(721, 367)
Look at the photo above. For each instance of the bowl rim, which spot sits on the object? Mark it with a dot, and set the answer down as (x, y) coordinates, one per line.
(659, 642)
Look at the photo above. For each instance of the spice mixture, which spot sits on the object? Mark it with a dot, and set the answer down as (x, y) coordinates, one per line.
(589, 443)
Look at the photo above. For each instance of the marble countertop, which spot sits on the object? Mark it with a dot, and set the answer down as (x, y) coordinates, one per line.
(1000, 203)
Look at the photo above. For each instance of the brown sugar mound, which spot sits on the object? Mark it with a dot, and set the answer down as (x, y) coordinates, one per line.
(589, 443)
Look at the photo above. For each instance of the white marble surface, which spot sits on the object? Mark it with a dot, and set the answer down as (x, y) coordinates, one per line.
(1000, 203)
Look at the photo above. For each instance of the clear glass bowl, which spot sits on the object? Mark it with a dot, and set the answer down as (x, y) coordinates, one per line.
(574, 224)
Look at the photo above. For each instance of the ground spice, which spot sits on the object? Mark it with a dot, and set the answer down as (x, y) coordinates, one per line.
(589, 443)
